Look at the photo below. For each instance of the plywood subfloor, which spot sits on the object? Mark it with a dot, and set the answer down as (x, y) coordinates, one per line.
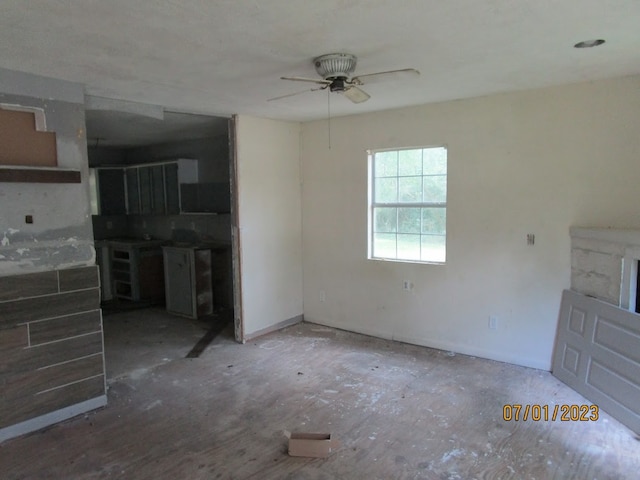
(400, 411)
(138, 340)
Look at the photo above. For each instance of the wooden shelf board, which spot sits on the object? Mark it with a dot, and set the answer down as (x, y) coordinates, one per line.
(39, 175)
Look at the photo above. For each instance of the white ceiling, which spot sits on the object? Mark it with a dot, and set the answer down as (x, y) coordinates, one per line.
(226, 56)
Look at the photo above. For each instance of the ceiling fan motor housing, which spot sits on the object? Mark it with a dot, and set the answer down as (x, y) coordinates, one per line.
(335, 65)
(338, 84)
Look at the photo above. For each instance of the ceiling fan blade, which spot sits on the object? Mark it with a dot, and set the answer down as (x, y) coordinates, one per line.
(311, 80)
(356, 95)
(295, 93)
(403, 74)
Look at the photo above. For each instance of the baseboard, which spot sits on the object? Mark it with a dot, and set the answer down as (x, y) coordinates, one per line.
(274, 327)
(475, 352)
(440, 345)
(48, 419)
(362, 331)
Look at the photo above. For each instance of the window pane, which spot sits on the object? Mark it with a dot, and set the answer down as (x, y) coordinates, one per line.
(410, 189)
(384, 245)
(435, 160)
(386, 164)
(410, 162)
(385, 220)
(409, 220)
(434, 220)
(408, 247)
(386, 190)
(416, 179)
(435, 188)
(434, 248)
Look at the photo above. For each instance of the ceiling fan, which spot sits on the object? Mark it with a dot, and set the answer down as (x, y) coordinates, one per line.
(335, 70)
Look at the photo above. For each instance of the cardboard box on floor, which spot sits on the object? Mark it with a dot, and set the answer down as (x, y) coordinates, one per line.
(319, 445)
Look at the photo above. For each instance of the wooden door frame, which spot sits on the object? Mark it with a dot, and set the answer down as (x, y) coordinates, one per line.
(236, 246)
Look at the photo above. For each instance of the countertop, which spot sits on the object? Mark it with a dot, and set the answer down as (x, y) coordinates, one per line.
(134, 242)
(140, 242)
(218, 246)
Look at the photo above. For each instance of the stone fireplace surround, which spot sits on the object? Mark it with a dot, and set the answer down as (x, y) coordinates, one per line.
(604, 264)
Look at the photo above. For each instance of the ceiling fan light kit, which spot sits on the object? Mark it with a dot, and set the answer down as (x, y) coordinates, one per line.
(336, 69)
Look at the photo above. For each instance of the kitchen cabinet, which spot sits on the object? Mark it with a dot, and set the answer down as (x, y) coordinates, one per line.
(111, 191)
(158, 186)
(136, 269)
(213, 197)
(188, 281)
(172, 188)
(150, 189)
(103, 260)
(133, 191)
(145, 189)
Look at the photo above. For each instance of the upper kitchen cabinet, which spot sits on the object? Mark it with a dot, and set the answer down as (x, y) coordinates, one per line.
(172, 191)
(133, 191)
(150, 189)
(111, 191)
(213, 197)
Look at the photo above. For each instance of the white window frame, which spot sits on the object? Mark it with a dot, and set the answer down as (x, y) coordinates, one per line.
(371, 205)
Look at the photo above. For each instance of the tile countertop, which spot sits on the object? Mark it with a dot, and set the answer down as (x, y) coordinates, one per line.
(139, 242)
(218, 246)
(130, 242)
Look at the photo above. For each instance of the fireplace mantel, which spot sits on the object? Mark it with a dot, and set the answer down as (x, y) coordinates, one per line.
(622, 236)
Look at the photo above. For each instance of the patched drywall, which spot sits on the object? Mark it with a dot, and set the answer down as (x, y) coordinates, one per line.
(46, 226)
(22, 252)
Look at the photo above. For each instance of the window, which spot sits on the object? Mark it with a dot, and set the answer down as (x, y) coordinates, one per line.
(408, 204)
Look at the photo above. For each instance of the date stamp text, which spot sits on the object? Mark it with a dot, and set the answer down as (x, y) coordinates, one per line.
(543, 413)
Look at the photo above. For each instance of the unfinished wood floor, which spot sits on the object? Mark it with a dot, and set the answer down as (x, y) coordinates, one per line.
(400, 411)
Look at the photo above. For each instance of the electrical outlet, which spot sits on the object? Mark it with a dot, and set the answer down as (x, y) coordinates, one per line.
(173, 225)
(407, 285)
(323, 296)
(493, 322)
(109, 225)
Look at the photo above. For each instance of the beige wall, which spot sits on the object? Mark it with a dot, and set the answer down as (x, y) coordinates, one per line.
(268, 173)
(531, 162)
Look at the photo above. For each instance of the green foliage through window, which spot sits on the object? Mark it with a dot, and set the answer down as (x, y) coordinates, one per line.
(409, 204)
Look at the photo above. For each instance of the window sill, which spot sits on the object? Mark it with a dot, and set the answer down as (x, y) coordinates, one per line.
(398, 260)
(38, 175)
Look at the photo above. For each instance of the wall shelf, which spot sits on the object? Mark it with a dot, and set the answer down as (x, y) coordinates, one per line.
(39, 175)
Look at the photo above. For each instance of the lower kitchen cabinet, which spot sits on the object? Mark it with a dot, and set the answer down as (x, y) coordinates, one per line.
(103, 260)
(188, 281)
(136, 270)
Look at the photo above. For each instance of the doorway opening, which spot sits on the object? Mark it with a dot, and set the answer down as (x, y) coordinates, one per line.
(161, 213)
